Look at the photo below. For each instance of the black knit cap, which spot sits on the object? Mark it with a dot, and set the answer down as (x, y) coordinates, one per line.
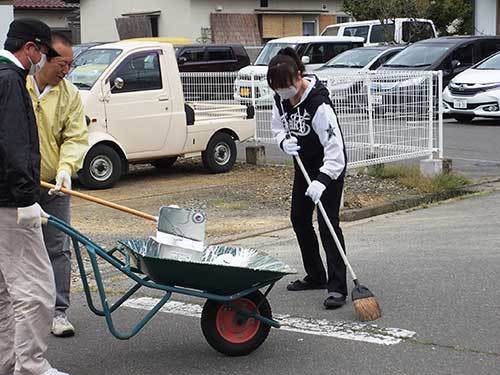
(32, 30)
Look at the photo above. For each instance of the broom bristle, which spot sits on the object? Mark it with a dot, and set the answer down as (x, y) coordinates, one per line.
(367, 309)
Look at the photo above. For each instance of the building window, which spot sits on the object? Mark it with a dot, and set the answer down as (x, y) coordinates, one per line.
(154, 26)
(264, 3)
(308, 28)
(343, 19)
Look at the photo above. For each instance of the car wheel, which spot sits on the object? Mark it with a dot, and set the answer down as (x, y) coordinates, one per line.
(220, 154)
(464, 118)
(101, 169)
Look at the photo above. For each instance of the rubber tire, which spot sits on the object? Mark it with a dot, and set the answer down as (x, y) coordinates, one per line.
(86, 177)
(208, 156)
(216, 341)
(464, 118)
(165, 163)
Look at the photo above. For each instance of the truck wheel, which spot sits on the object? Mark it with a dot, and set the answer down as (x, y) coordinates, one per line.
(101, 169)
(165, 163)
(231, 333)
(220, 154)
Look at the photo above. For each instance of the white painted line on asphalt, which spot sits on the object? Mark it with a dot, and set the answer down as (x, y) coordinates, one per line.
(370, 333)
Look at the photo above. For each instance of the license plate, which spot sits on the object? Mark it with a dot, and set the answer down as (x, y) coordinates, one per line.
(245, 92)
(460, 104)
(377, 99)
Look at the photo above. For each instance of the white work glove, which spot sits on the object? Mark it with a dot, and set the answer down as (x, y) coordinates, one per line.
(30, 216)
(63, 179)
(290, 146)
(315, 190)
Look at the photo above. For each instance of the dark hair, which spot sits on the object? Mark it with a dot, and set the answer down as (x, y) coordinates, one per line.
(283, 68)
(13, 44)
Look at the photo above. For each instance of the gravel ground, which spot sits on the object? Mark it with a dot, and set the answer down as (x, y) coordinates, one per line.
(247, 199)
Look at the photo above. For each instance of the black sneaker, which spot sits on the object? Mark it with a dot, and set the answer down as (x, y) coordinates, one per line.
(334, 302)
(304, 285)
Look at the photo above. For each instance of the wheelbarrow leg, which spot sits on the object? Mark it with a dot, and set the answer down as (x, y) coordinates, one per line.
(86, 288)
(107, 310)
(83, 276)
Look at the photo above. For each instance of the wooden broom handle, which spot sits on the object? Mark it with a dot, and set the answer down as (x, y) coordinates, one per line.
(101, 201)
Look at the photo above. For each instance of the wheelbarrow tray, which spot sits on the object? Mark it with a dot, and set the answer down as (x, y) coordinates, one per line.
(205, 275)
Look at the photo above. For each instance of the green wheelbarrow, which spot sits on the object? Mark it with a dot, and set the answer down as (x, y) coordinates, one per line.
(236, 317)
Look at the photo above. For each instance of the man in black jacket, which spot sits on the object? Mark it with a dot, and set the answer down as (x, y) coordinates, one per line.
(27, 291)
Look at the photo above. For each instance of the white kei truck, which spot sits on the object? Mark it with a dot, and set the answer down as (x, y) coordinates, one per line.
(136, 113)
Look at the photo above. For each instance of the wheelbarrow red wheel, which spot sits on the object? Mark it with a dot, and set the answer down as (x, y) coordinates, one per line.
(230, 332)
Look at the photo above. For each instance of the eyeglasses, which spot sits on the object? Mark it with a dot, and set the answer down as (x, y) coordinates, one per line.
(42, 48)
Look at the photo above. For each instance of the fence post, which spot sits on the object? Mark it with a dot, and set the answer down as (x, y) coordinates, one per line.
(440, 115)
(431, 115)
(254, 105)
(371, 134)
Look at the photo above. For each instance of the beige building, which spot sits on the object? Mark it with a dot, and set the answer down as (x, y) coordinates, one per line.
(250, 22)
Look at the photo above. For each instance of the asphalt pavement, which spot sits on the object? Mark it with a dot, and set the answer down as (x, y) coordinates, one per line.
(435, 272)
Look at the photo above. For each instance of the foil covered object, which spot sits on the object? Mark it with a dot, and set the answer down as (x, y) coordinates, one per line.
(227, 256)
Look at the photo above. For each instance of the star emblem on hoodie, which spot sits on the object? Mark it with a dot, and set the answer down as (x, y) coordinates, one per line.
(330, 132)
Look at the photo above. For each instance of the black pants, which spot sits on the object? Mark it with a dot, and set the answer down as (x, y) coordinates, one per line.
(301, 216)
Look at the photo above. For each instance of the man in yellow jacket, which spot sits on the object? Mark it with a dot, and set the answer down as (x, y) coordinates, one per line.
(63, 143)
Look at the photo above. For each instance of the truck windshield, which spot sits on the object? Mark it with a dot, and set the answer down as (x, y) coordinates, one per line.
(269, 51)
(88, 67)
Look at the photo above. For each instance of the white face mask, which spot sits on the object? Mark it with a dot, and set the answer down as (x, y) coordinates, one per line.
(35, 68)
(287, 93)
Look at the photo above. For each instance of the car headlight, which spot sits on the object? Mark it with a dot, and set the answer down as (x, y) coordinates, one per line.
(476, 87)
(493, 86)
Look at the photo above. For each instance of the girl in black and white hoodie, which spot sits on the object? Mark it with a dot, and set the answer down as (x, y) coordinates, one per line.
(304, 124)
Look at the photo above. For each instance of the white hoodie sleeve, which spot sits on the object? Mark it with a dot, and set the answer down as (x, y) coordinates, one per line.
(279, 132)
(326, 126)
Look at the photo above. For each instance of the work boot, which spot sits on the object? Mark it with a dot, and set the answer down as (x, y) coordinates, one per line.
(53, 371)
(61, 327)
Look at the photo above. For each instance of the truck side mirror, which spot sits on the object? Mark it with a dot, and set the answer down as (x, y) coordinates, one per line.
(118, 83)
(306, 60)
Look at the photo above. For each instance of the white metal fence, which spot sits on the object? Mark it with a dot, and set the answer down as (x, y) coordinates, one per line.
(385, 116)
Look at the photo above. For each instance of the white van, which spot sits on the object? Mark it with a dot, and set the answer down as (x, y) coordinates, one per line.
(405, 30)
(313, 50)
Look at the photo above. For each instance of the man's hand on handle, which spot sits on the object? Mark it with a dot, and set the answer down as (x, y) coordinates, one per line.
(31, 216)
(63, 179)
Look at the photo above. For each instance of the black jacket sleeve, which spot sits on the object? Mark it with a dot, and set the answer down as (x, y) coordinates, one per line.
(19, 147)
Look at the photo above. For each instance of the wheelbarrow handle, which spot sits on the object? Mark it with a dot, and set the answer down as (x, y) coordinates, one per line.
(102, 202)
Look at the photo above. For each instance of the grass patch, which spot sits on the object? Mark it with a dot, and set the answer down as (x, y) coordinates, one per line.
(409, 176)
